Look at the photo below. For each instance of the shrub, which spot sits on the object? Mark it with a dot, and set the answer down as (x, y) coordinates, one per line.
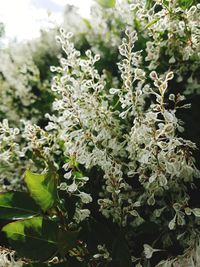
(111, 180)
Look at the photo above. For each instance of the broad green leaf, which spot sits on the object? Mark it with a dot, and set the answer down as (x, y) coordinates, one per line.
(42, 188)
(33, 238)
(17, 205)
(106, 3)
(38, 238)
(121, 252)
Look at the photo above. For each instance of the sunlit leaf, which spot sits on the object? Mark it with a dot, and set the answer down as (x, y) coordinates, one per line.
(38, 238)
(42, 188)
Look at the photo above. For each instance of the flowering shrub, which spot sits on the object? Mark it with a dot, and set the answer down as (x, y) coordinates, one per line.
(111, 179)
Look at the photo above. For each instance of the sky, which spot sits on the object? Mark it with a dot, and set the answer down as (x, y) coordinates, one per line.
(24, 18)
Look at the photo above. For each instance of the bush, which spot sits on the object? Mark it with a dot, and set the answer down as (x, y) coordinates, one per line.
(111, 173)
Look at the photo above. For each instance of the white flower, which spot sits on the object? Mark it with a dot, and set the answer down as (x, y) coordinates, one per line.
(172, 223)
(85, 198)
(67, 175)
(63, 186)
(72, 188)
(148, 251)
(81, 214)
(139, 74)
(114, 91)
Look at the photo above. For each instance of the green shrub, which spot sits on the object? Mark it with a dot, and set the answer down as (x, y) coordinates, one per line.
(111, 175)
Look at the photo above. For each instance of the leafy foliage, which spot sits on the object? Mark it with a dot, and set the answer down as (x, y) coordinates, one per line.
(119, 179)
(17, 205)
(42, 188)
(29, 236)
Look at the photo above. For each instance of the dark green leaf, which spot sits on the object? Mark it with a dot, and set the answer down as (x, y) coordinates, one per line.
(33, 238)
(106, 3)
(42, 188)
(66, 240)
(17, 205)
(121, 252)
(38, 238)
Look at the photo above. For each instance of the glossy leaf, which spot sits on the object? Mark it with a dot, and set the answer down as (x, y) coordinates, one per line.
(38, 238)
(33, 238)
(106, 3)
(17, 205)
(42, 188)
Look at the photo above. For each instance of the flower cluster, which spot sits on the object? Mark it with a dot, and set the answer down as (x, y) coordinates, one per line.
(84, 116)
(11, 156)
(91, 129)
(7, 258)
(17, 80)
(119, 134)
(171, 31)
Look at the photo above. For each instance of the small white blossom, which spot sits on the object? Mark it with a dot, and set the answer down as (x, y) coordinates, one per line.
(72, 188)
(85, 198)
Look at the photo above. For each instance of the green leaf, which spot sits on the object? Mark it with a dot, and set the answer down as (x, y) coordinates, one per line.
(185, 4)
(121, 252)
(87, 23)
(151, 23)
(38, 238)
(149, 4)
(42, 188)
(17, 205)
(33, 238)
(106, 3)
(67, 240)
